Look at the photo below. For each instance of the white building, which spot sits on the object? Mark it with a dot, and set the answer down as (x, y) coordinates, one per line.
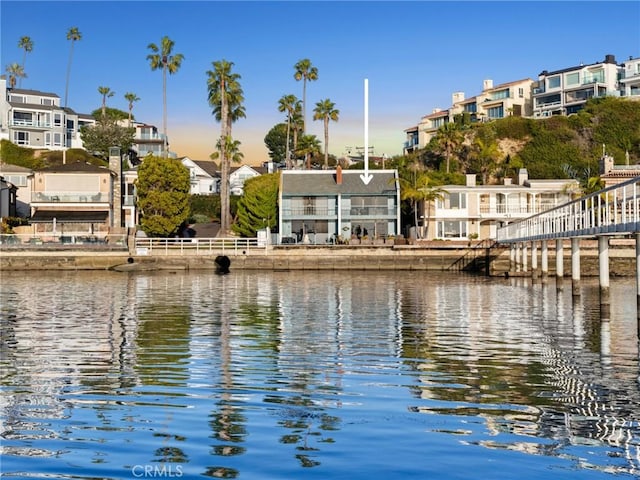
(566, 91)
(202, 176)
(35, 119)
(476, 211)
(630, 80)
(239, 175)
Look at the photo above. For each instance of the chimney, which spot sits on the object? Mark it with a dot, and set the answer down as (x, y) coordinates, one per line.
(115, 165)
(471, 179)
(338, 175)
(523, 176)
(487, 85)
(457, 97)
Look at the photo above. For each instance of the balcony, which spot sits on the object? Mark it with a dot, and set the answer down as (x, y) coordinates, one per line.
(69, 197)
(515, 210)
(22, 123)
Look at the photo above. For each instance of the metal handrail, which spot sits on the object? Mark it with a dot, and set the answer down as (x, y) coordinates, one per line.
(612, 210)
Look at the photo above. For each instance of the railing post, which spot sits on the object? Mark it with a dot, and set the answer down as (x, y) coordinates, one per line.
(545, 259)
(575, 266)
(603, 265)
(559, 263)
(534, 259)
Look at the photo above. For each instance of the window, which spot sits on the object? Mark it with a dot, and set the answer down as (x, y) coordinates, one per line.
(453, 200)
(17, 180)
(521, 92)
(57, 119)
(553, 82)
(57, 139)
(21, 138)
(46, 101)
(451, 229)
(572, 79)
(22, 118)
(500, 94)
(17, 98)
(496, 112)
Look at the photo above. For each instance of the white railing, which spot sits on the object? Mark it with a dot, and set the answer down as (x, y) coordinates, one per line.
(613, 210)
(197, 246)
(68, 239)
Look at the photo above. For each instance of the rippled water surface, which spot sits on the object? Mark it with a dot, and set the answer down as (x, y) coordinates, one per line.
(322, 375)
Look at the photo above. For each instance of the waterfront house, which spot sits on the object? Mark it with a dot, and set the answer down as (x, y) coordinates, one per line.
(22, 178)
(630, 78)
(72, 200)
(477, 211)
(325, 206)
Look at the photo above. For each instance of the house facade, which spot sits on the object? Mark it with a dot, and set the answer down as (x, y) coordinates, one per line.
(325, 206)
(203, 177)
(73, 199)
(35, 119)
(239, 175)
(147, 140)
(566, 91)
(476, 211)
(630, 78)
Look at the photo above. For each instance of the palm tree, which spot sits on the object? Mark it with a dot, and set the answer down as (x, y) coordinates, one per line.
(163, 58)
(325, 110)
(131, 98)
(288, 104)
(231, 149)
(27, 45)
(447, 140)
(429, 194)
(305, 72)
(106, 92)
(308, 146)
(225, 97)
(73, 34)
(15, 72)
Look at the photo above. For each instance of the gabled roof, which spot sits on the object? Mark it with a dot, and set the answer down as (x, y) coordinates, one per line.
(323, 182)
(208, 166)
(8, 168)
(38, 93)
(77, 167)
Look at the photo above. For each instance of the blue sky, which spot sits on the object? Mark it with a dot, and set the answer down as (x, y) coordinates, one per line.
(415, 55)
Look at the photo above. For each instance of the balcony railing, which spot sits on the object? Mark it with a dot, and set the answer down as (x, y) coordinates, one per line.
(504, 209)
(69, 197)
(17, 122)
(325, 212)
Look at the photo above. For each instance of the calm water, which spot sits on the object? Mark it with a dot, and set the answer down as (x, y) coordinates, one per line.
(315, 375)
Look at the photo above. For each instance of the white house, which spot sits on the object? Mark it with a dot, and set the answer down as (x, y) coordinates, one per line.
(202, 175)
(241, 174)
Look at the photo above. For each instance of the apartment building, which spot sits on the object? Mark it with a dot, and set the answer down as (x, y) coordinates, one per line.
(558, 92)
(566, 91)
(492, 103)
(35, 119)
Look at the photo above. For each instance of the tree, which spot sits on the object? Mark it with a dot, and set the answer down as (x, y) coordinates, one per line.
(131, 98)
(163, 188)
(15, 72)
(112, 113)
(162, 58)
(231, 150)
(288, 103)
(276, 142)
(73, 35)
(27, 45)
(257, 208)
(308, 146)
(225, 96)
(447, 140)
(431, 193)
(484, 154)
(412, 189)
(325, 110)
(104, 134)
(306, 72)
(106, 92)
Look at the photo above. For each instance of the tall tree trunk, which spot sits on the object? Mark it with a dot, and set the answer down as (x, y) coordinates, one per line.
(326, 143)
(164, 108)
(66, 89)
(287, 159)
(304, 105)
(224, 166)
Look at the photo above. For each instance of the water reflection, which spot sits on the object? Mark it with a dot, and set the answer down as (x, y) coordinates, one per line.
(232, 376)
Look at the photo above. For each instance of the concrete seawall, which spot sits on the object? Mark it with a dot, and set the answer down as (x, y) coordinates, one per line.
(493, 261)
